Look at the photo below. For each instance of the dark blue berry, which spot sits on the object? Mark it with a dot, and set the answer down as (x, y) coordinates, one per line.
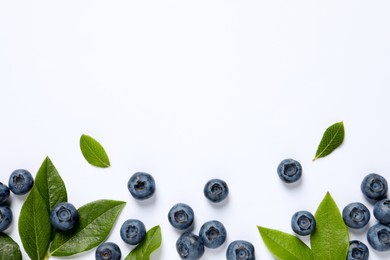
(108, 251)
(64, 216)
(240, 250)
(382, 211)
(190, 246)
(20, 182)
(133, 231)
(213, 234)
(378, 236)
(181, 216)
(374, 186)
(303, 223)
(356, 215)
(141, 185)
(216, 190)
(357, 251)
(289, 170)
(5, 217)
(4, 193)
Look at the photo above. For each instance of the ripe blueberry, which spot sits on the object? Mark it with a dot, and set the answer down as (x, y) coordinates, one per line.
(20, 182)
(4, 193)
(216, 190)
(303, 223)
(141, 185)
(108, 251)
(382, 211)
(240, 249)
(357, 251)
(190, 246)
(64, 216)
(356, 215)
(133, 231)
(378, 237)
(181, 216)
(213, 234)
(289, 170)
(374, 186)
(5, 217)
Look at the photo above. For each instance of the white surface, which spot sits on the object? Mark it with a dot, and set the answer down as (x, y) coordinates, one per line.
(192, 90)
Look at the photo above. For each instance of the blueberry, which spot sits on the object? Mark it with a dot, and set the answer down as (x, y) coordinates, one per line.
(356, 215)
(357, 251)
(141, 185)
(378, 237)
(181, 216)
(382, 211)
(303, 223)
(216, 190)
(133, 231)
(108, 251)
(190, 246)
(213, 234)
(289, 170)
(4, 193)
(20, 182)
(240, 250)
(5, 217)
(63, 216)
(374, 186)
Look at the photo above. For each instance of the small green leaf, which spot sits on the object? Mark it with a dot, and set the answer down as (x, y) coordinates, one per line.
(285, 246)
(330, 239)
(9, 249)
(96, 220)
(34, 225)
(333, 137)
(93, 152)
(151, 242)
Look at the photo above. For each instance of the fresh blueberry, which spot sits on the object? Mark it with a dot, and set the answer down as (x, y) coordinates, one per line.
(133, 231)
(303, 223)
(216, 190)
(378, 237)
(181, 216)
(356, 215)
(63, 216)
(289, 170)
(357, 251)
(108, 251)
(213, 234)
(240, 250)
(190, 246)
(374, 186)
(4, 193)
(20, 182)
(382, 211)
(141, 185)
(5, 217)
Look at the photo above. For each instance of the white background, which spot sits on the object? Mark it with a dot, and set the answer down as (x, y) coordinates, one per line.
(194, 90)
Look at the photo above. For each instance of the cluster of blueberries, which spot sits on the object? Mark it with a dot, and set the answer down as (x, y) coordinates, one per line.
(355, 215)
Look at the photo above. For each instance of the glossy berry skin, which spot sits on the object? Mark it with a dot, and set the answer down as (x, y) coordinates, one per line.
(5, 217)
(382, 211)
(240, 250)
(141, 185)
(213, 234)
(190, 246)
(181, 216)
(303, 223)
(4, 193)
(64, 216)
(356, 215)
(357, 251)
(289, 170)
(378, 236)
(133, 231)
(108, 251)
(20, 182)
(216, 190)
(374, 186)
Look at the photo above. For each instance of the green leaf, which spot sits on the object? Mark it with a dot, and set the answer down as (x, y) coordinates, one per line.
(330, 239)
(284, 246)
(333, 137)
(50, 185)
(96, 220)
(9, 249)
(151, 242)
(94, 152)
(34, 225)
